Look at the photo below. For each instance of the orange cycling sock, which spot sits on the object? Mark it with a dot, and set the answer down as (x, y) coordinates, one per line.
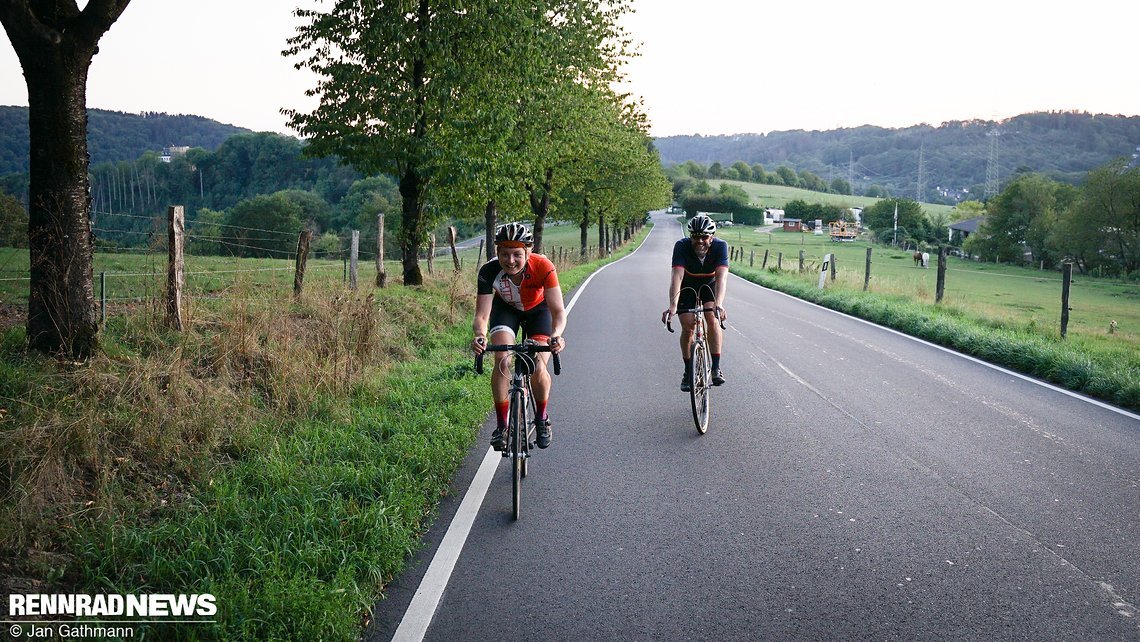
(502, 409)
(540, 409)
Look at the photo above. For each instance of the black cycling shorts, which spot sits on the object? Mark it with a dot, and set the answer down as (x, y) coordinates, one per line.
(535, 323)
(690, 291)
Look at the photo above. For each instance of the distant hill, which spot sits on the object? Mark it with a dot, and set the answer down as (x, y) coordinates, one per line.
(1062, 145)
(115, 136)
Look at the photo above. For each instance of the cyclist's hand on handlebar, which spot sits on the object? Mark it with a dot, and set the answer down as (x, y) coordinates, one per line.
(668, 314)
(478, 345)
(722, 313)
(557, 344)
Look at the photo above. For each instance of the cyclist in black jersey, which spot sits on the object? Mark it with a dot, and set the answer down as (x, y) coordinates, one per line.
(700, 260)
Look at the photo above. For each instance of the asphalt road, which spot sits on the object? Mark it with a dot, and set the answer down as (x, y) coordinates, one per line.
(854, 484)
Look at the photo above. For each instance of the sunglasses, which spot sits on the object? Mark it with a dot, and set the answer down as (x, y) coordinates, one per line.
(700, 237)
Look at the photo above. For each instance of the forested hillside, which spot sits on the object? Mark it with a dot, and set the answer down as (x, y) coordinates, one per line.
(115, 136)
(954, 156)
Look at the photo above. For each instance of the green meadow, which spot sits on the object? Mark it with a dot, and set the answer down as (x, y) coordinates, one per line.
(777, 196)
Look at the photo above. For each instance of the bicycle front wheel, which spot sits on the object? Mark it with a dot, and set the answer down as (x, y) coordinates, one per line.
(517, 449)
(702, 382)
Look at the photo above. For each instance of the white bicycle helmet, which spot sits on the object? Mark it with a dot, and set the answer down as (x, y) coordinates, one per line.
(701, 224)
(513, 233)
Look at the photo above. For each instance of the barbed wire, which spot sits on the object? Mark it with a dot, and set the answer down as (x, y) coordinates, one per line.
(159, 219)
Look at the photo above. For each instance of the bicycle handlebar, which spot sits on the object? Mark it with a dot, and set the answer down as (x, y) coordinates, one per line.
(715, 311)
(524, 348)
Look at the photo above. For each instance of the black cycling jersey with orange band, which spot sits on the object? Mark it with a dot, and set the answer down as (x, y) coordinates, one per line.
(523, 304)
(698, 271)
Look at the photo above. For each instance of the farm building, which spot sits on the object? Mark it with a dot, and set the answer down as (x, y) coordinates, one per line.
(793, 225)
(719, 217)
(965, 228)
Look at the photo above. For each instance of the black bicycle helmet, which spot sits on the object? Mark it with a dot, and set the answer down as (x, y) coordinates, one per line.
(514, 232)
(701, 224)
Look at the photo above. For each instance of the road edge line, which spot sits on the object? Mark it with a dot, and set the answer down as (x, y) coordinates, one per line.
(421, 610)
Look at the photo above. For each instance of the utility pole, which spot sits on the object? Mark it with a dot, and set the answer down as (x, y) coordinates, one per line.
(991, 164)
(851, 170)
(920, 192)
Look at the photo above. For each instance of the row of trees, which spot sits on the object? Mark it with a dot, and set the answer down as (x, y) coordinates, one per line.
(1041, 221)
(755, 173)
(503, 108)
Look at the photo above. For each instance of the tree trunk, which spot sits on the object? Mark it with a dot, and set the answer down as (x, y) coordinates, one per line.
(55, 43)
(490, 221)
(411, 234)
(601, 233)
(584, 227)
(540, 205)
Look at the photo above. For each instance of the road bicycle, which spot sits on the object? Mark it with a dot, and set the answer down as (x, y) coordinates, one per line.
(699, 356)
(520, 417)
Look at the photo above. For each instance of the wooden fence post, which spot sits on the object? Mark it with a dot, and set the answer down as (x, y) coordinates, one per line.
(431, 253)
(353, 259)
(867, 274)
(480, 251)
(103, 297)
(801, 260)
(381, 275)
(175, 267)
(940, 287)
(454, 253)
(1066, 281)
(304, 239)
(780, 261)
(764, 264)
(833, 266)
(751, 258)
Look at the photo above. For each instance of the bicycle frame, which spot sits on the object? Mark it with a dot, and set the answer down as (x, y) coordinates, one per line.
(699, 357)
(520, 418)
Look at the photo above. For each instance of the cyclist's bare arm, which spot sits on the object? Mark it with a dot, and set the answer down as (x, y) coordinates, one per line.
(721, 288)
(482, 319)
(674, 292)
(557, 309)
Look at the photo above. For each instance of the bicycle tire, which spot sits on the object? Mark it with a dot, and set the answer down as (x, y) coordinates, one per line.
(699, 388)
(528, 421)
(517, 452)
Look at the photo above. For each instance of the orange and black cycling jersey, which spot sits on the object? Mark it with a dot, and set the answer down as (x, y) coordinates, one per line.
(538, 275)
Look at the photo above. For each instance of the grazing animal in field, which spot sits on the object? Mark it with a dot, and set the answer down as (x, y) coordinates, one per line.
(917, 259)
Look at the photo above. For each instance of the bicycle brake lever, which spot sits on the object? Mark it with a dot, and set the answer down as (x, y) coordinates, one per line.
(479, 363)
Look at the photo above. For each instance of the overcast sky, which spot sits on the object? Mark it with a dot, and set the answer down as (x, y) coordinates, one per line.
(707, 67)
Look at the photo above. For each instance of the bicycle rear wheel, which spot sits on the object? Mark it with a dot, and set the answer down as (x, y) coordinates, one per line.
(517, 449)
(699, 390)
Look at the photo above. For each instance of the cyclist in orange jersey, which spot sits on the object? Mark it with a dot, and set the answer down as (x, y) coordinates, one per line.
(518, 289)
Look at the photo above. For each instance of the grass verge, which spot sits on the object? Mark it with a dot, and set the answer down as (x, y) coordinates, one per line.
(1083, 366)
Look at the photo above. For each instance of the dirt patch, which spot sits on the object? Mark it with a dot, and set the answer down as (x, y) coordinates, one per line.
(12, 315)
